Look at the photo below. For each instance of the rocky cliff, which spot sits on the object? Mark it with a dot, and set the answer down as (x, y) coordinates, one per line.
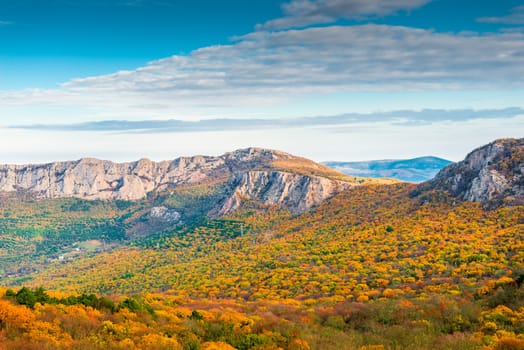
(492, 174)
(294, 191)
(271, 177)
(97, 179)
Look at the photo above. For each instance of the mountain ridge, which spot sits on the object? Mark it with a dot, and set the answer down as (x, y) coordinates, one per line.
(281, 178)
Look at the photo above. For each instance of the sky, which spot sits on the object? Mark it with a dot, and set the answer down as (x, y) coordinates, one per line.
(325, 79)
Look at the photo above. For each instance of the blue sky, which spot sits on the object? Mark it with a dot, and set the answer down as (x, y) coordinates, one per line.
(48, 42)
(417, 77)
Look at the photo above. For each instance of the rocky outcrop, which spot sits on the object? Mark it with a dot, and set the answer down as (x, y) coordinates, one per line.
(165, 214)
(97, 179)
(296, 192)
(253, 173)
(492, 174)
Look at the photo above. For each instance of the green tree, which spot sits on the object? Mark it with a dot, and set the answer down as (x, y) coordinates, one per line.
(25, 296)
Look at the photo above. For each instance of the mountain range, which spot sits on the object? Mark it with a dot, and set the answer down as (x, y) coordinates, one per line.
(266, 176)
(269, 176)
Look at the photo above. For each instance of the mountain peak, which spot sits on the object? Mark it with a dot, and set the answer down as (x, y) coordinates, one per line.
(492, 174)
(257, 153)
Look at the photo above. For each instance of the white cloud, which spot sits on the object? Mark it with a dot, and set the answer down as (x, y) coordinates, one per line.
(367, 57)
(270, 68)
(515, 17)
(345, 121)
(450, 140)
(301, 13)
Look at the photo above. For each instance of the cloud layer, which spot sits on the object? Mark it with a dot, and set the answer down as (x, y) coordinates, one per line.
(337, 58)
(374, 57)
(265, 67)
(515, 17)
(423, 117)
(301, 13)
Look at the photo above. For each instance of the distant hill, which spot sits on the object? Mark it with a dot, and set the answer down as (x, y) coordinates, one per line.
(411, 170)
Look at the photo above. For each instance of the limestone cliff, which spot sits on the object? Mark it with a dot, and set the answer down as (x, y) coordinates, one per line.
(97, 179)
(296, 192)
(271, 177)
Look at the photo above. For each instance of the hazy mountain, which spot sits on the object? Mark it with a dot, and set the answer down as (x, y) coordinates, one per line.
(410, 170)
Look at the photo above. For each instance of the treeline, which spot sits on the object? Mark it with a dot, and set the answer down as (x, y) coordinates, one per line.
(29, 298)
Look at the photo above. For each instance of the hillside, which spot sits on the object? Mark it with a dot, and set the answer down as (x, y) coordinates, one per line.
(372, 233)
(410, 170)
(367, 268)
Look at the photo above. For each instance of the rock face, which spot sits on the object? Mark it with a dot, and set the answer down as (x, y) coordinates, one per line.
(492, 174)
(97, 179)
(296, 192)
(248, 173)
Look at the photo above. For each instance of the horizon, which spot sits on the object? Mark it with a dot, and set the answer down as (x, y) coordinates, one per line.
(328, 80)
(323, 162)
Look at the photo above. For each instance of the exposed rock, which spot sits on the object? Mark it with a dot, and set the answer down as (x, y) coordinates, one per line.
(296, 192)
(492, 174)
(90, 178)
(165, 214)
(269, 176)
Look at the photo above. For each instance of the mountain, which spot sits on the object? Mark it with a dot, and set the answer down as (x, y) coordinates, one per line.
(492, 174)
(410, 170)
(370, 267)
(271, 177)
(70, 209)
